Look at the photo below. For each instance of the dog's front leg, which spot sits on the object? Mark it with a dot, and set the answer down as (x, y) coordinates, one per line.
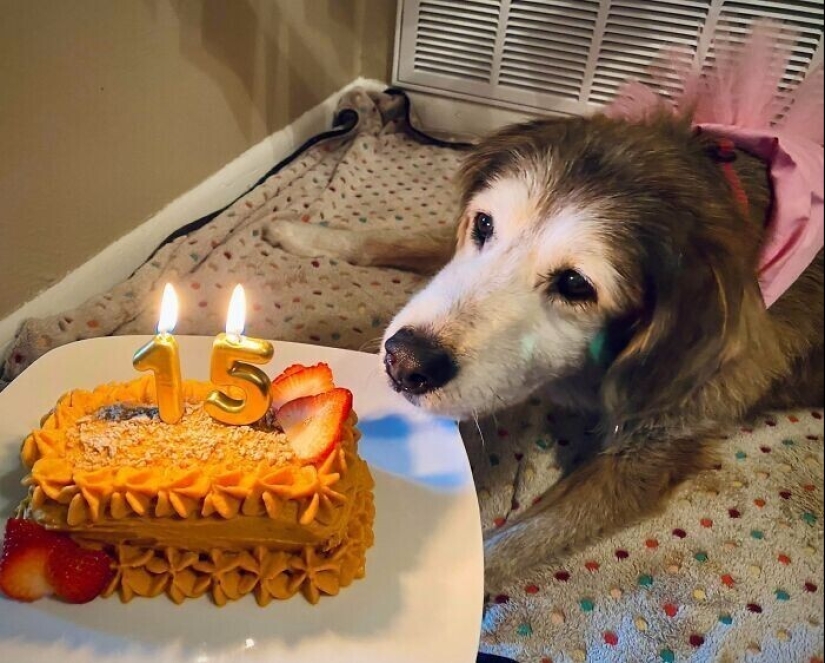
(612, 490)
(424, 252)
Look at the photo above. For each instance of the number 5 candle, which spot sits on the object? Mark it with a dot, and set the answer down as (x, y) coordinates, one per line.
(160, 355)
(232, 356)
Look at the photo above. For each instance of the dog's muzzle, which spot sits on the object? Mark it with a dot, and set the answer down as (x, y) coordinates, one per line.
(417, 363)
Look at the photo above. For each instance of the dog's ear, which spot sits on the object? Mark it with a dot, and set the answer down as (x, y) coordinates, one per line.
(689, 328)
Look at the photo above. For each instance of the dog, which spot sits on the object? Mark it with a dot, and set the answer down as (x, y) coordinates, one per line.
(612, 265)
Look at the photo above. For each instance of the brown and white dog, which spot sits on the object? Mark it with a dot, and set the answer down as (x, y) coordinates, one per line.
(610, 265)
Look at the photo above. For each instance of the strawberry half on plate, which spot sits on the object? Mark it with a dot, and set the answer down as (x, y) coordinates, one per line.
(298, 381)
(26, 551)
(37, 562)
(313, 424)
(76, 574)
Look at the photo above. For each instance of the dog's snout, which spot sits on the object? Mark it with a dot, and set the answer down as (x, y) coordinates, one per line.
(417, 363)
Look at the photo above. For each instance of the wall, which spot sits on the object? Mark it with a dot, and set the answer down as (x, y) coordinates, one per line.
(110, 110)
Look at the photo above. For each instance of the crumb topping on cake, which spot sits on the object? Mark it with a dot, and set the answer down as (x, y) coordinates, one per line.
(106, 454)
(142, 440)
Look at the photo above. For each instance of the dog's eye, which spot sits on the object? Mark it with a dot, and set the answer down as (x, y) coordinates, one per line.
(574, 287)
(482, 228)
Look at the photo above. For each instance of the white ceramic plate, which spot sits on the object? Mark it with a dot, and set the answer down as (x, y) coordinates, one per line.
(421, 599)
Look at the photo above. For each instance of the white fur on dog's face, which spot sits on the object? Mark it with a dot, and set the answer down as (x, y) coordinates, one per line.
(493, 306)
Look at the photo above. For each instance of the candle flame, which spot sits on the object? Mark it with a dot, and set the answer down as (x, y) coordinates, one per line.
(168, 310)
(236, 317)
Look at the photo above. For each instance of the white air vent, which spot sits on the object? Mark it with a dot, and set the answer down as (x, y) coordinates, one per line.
(547, 46)
(571, 56)
(635, 34)
(457, 38)
(804, 16)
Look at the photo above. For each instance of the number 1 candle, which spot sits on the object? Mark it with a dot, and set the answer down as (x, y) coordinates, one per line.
(160, 355)
(232, 356)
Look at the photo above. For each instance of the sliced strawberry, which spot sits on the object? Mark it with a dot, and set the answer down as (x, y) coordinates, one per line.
(295, 368)
(37, 562)
(301, 381)
(22, 532)
(78, 575)
(23, 575)
(26, 550)
(313, 424)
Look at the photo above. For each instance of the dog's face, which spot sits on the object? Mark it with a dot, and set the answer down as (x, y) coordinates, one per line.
(572, 233)
(530, 288)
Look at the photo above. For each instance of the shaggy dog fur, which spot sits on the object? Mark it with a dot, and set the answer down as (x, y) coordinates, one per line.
(611, 266)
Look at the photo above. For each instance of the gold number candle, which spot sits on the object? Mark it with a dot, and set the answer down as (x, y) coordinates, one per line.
(232, 357)
(160, 355)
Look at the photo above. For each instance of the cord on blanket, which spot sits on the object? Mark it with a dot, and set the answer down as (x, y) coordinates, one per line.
(492, 658)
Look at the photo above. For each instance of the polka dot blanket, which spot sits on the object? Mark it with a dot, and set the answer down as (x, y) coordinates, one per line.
(732, 570)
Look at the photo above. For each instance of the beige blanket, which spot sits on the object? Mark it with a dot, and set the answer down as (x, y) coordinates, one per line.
(733, 571)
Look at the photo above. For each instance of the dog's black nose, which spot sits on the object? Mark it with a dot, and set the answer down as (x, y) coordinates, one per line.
(417, 363)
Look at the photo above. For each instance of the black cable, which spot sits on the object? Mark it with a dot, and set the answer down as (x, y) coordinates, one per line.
(343, 122)
(492, 658)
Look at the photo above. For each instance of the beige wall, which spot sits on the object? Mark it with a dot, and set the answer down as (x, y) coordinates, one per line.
(110, 109)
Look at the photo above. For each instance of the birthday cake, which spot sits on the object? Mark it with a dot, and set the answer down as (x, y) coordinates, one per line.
(275, 508)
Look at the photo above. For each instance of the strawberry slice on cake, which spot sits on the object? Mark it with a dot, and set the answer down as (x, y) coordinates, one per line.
(313, 424)
(298, 381)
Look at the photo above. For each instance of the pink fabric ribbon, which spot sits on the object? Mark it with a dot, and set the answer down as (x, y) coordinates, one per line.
(784, 128)
(796, 229)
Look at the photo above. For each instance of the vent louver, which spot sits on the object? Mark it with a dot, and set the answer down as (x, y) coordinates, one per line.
(572, 55)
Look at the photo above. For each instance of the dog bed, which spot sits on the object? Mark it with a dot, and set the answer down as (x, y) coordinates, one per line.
(731, 571)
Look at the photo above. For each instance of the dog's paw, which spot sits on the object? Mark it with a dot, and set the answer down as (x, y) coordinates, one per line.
(500, 568)
(297, 238)
(494, 588)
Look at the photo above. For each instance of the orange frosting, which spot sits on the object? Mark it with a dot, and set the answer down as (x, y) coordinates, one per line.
(142, 466)
(228, 575)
